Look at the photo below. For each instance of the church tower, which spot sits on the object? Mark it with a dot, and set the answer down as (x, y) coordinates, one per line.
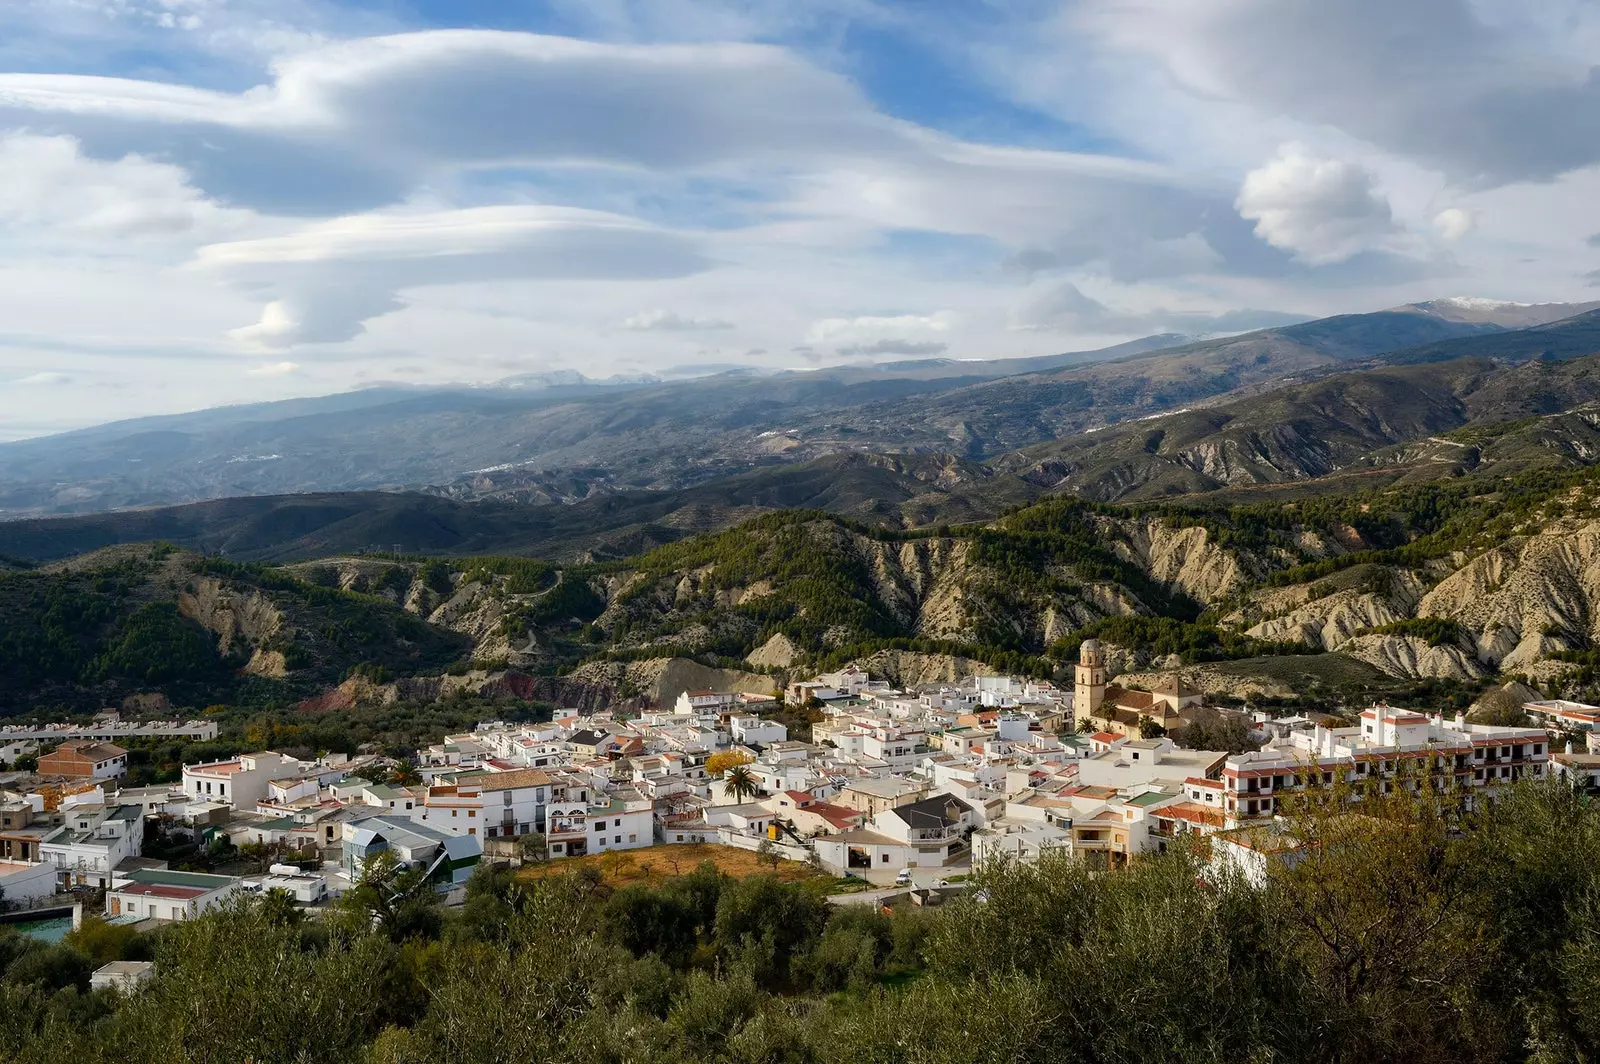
(1090, 689)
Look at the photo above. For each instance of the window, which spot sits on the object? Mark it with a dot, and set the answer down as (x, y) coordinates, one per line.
(455, 812)
(601, 826)
(471, 813)
(883, 858)
(633, 838)
(616, 823)
(618, 839)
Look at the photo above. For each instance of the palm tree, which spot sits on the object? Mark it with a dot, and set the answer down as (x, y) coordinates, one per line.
(740, 783)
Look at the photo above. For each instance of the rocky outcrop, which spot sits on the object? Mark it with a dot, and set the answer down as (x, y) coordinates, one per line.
(1184, 558)
(776, 653)
(1528, 597)
(241, 620)
(659, 681)
(1409, 656)
(1213, 683)
(1326, 623)
(906, 668)
(270, 664)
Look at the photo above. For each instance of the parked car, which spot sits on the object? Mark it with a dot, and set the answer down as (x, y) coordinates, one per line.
(903, 878)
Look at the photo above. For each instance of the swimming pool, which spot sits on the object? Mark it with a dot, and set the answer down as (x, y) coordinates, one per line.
(52, 929)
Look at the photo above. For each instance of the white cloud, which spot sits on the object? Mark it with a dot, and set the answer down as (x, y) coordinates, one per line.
(1473, 88)
(671, 321)
(274, 369)
(1060, 305)
(327, 279)
(47, 185)
(442, 205)
(872, 327)
(1321, 210)
(44, 379)
(894, 347)
(1453, 223)
(898, 334)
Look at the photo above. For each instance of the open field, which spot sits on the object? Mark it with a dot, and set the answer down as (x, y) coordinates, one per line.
(654, 864)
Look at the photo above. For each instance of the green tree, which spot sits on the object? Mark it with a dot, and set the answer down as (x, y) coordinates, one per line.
(740, 783)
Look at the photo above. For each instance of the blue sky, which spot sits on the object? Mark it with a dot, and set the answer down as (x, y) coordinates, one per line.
(213, 201)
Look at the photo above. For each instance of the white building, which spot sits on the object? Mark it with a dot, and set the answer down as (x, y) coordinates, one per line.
(623, 822)
(23, 883)
(159, 894)
(123, 976)
(241, 781)
(1387, 747)
(448, 860)
(757, 731)
(495, 804)
(931, 833)
(86, 850)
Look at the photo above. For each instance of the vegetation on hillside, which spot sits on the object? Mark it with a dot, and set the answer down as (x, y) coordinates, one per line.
(1405, 934)
(89, 635)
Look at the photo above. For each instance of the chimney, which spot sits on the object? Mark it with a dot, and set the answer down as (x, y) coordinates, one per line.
(1461, 721)
(1569, 746)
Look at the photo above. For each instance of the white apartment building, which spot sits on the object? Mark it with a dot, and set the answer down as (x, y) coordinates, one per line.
(1561, 713)
(1477, 758)
(624, 822)
(94, 840)
(756, 731)
(241, 781)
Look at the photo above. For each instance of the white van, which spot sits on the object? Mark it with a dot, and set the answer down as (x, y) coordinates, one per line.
(903, 878)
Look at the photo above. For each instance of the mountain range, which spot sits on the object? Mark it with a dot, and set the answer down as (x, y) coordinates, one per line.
(563, 438)
(1488, 397)
(1292, 513)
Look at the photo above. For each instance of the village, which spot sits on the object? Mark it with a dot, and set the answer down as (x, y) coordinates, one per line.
(898, 789)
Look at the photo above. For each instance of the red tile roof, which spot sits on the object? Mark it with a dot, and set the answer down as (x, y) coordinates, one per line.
(160, 891)
(1189, 811)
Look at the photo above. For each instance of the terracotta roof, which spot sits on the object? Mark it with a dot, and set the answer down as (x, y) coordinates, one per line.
(1201, 781)
(837, 815)
(1123, 698)
(157, 891)
(1104, 737)
(90, 749)
(512, 780)
(1191, 812)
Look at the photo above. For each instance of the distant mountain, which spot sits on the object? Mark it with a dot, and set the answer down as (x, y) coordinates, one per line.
(1497, 312)
(564, 438)
(890, 490)
(1457, 405)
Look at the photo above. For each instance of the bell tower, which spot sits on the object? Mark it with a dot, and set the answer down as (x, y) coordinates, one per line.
(1089, 692)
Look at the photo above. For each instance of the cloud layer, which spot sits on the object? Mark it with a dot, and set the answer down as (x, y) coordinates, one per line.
(628, 187)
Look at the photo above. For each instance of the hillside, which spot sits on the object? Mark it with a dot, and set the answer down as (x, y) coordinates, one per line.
(1452, 416)
(1451, 581)
(894, 490)
(151, 620)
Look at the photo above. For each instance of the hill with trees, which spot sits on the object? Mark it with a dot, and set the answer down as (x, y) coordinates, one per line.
(1412, 932)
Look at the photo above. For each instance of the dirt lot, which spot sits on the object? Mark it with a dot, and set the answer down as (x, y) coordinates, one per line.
(654, 864)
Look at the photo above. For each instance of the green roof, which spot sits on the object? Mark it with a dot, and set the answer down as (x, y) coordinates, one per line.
(1151, 798)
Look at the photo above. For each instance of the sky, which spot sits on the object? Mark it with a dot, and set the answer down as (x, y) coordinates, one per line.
(206, 202)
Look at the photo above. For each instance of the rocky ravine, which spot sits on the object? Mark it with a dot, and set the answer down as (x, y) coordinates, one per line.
(1517, 604)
